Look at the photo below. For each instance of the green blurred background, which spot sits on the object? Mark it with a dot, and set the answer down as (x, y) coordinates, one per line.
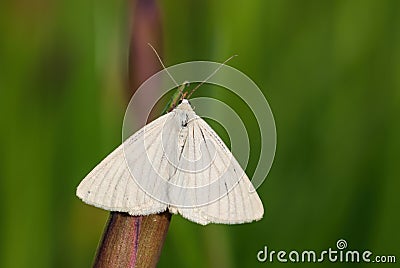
(329, 69)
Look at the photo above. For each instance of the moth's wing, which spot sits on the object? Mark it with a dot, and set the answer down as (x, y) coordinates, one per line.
(110, 184)
(238, 206)
(219, 192)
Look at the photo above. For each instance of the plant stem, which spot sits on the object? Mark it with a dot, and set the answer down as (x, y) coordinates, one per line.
(130, 241)
(119, 245)
(153, 230)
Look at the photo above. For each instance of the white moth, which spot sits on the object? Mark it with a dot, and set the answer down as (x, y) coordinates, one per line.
(160, 161)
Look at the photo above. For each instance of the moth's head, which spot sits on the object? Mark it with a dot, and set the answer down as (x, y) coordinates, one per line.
(184, 104)
(184, 101)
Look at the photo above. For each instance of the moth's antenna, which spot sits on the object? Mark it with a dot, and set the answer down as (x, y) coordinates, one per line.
(182, 87)
(162, 64)
(211, 75)
(180, 93)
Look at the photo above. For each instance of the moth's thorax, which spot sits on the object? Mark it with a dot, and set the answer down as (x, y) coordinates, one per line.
(184, 113)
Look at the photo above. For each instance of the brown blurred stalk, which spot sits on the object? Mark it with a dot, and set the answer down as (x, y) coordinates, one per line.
(130, 241)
